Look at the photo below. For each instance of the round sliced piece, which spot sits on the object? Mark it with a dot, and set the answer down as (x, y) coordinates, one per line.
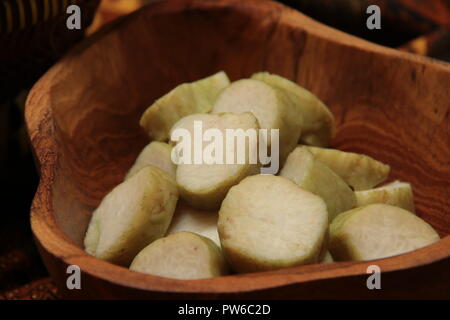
(378, 231)
(267, 222)
(318, 125)
(181, 255)
(359, 171)
(185, 99)
(205, 185)
(200, 222)
(157, 154)
(272, 106)
(396, 193)
(312, 175)
(135, 213)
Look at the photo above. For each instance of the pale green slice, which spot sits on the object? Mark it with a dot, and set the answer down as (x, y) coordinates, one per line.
(318, 125)
(204, 185)
(181, 255)
(309, 173)
(185, 99)
(396, 193)
(267, 222)
(378, 231)
(157, 154)
(134, 214)
(361, 172)
(272, 107)
(197, 221)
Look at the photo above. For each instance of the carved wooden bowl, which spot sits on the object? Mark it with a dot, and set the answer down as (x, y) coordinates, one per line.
(83, 117)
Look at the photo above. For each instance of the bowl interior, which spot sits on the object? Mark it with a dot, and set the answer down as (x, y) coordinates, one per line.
(387, 105)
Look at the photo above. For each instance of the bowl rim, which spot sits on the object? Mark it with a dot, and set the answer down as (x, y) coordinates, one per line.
(49, 235)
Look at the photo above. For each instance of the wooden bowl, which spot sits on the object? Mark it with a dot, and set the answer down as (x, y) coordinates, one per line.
(83, 117)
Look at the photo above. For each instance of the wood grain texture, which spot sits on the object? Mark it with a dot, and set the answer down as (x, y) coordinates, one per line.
(82, 118)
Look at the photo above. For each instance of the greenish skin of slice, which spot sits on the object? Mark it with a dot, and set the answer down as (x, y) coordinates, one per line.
(397, 194)
(318, 124)
(134, 214)
(168, 249)
(157, 154)
(387, 230)
(307, 172)
(185, 99)
(359, 171)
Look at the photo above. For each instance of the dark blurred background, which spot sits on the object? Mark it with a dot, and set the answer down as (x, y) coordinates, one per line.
(28, 50)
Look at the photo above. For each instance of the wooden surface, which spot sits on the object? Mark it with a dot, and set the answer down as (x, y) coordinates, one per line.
(401, 20)
(42, 289)
(109, 10)
(389, 105)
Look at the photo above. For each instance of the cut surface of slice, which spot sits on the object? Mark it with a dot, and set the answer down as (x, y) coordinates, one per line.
(306, 171)
(185, 99)
(359, 171)
(396, 193)
(156, 154)
(200, 222)
(272, 106)
(267, 222)
(204, 185)
(181, 255)
(318, 125)
(378, 231)
(135, 213)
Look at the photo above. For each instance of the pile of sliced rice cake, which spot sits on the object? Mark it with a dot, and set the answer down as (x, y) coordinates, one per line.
(190, 220)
